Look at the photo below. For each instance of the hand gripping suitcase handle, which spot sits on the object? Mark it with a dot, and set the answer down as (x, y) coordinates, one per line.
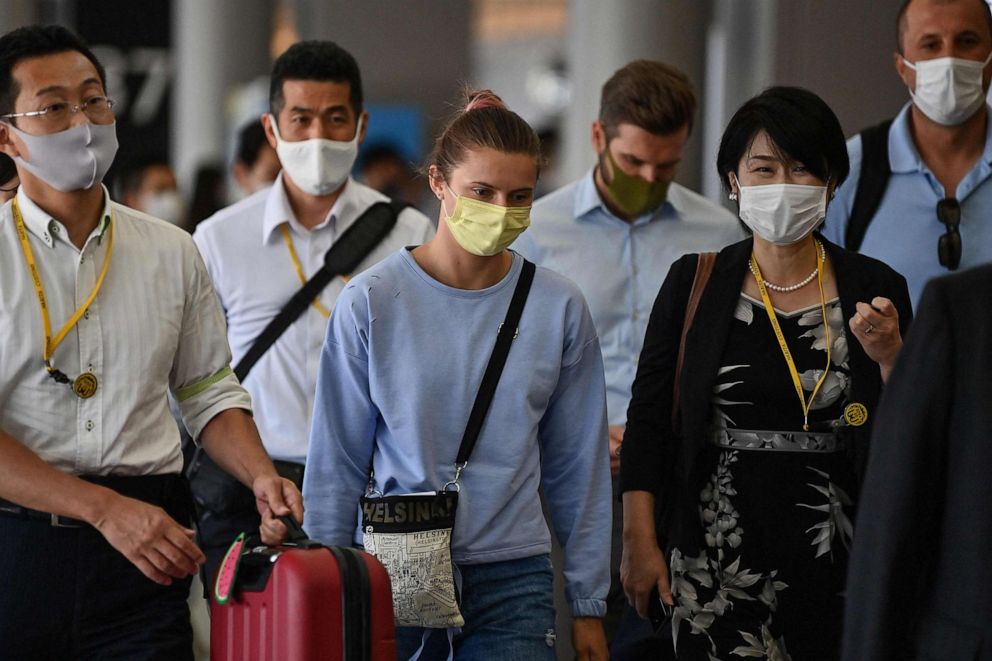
(297, 536)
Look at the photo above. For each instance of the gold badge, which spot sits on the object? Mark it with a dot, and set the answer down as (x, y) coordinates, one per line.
(856, 414)
(85, 385)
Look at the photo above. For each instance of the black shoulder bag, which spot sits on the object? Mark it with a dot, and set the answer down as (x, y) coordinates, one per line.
(214, 490)
(411, 534)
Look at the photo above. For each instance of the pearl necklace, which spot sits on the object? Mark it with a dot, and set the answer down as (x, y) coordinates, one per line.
(799, 285)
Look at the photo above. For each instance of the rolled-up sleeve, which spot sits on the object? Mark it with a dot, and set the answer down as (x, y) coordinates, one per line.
(202, 381)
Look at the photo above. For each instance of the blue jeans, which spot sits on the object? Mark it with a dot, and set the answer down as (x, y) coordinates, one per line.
(509, 614)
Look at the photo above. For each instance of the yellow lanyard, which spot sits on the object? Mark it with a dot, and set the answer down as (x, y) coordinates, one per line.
(781, 338)
(51, 344)
(299, 268)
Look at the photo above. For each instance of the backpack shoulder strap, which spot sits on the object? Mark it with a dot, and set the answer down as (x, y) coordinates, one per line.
(874, 177)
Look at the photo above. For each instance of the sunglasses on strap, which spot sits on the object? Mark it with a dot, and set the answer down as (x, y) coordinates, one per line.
(949, 244)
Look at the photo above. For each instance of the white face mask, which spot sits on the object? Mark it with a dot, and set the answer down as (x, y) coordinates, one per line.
(70, 160)
(166, 205)
(318, 166)
(782, 213)
(948, 89)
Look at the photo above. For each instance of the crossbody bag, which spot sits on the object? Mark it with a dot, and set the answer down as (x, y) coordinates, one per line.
(411, 534)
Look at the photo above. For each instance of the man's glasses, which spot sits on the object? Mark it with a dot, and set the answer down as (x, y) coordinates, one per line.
(949, 244)
(99, 109)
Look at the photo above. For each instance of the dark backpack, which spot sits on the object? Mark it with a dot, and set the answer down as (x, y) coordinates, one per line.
(874, 177)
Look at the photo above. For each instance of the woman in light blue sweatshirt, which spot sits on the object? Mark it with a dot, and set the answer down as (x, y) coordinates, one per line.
(406, 348)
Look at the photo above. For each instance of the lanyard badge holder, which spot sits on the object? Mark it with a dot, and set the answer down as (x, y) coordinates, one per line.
(410, 534)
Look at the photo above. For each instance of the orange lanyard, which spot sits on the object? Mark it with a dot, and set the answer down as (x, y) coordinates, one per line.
(806, 405)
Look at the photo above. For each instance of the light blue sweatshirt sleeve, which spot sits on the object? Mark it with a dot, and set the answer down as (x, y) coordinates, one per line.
(343, 429)
(575, 473)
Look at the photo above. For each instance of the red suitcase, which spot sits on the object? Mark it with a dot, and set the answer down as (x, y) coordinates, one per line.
(305, 601)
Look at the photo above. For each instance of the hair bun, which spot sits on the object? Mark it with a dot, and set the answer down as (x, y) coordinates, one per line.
(479, 99)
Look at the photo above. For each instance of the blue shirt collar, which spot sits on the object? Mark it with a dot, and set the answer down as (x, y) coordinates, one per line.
(903, 155)
(587, 200)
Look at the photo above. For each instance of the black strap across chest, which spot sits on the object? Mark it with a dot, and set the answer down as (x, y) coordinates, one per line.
(874, 177)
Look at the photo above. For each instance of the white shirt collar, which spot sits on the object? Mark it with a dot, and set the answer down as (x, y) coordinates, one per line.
(42, 225)
(278, 211)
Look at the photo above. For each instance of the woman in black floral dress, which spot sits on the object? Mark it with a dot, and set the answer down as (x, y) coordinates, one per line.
(784, 363)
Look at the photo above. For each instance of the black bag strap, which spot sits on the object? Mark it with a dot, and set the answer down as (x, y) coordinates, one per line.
(342, 258)
(497, 360)
(874, 177)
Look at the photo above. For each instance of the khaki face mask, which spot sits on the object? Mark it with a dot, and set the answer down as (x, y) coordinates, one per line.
(482, 228)
(634, 196)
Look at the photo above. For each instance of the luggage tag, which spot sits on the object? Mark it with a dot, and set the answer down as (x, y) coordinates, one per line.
(227, 575)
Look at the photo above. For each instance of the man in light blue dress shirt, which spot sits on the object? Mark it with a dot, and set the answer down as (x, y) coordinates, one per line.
(617, 230)
(934, 215)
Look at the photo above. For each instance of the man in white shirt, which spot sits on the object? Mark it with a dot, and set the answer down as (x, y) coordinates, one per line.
(104, 311)
(262, 249)
(617, 231)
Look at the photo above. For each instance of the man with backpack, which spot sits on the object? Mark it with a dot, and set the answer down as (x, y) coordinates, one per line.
(919, 196)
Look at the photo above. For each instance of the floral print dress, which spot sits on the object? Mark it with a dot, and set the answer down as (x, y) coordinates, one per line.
(765, 579)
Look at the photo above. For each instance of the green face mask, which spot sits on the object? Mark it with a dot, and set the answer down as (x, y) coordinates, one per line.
(633, 195)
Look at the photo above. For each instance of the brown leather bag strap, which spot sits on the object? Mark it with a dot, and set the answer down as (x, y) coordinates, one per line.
(704, 267)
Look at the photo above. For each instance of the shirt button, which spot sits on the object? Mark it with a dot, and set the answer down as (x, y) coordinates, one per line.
(89, 425)
(54, 227)
(86, 315)
(635, 316)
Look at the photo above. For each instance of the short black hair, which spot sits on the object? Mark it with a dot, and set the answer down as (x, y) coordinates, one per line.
(251, 141)
(131, 174)
(315, 60)
(801, 126)
(901, 19)
(37, 41)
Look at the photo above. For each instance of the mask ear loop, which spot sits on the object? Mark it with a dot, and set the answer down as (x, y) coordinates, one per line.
(733, 193)
(435, 175)
(447, 216)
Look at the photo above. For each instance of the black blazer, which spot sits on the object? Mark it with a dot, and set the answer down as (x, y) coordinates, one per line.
(657, 459)
(920, 573)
